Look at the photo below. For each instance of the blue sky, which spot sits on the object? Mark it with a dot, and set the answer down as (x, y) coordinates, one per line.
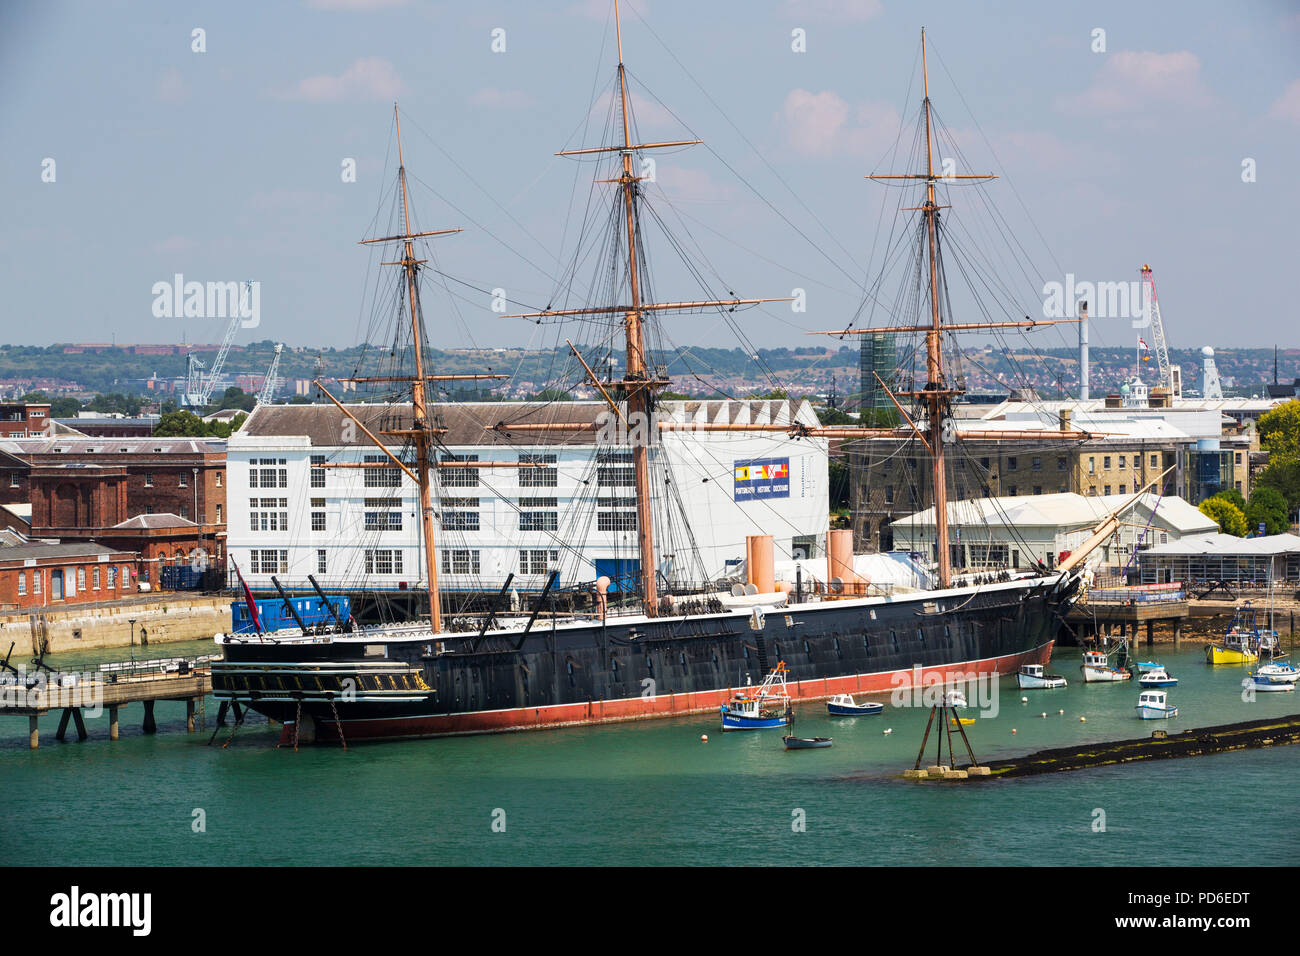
(225, 164)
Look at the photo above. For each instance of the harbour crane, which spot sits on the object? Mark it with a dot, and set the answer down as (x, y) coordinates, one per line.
(198, 387)
(1171, 377)
(267, 392)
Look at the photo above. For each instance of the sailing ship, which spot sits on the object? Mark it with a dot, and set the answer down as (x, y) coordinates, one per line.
(430, 677)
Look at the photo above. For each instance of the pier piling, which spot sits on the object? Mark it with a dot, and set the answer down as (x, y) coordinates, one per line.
(33, 734)
(150, 725)
(112, 723)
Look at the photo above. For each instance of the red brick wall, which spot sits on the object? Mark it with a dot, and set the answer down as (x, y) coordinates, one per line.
(9, 580)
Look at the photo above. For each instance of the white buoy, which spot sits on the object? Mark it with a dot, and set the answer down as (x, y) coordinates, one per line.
(1024, 700)
(704, 738)
(1083, 720)
(1044, 714)
(1061, 712)
(889, 730)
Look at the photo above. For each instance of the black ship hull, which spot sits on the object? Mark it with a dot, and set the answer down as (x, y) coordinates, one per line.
(419, 684)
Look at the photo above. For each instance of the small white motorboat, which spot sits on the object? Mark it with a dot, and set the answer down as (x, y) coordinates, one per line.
(1156, 676)
(1097, 669)
(1153, 705)
(1031, 677)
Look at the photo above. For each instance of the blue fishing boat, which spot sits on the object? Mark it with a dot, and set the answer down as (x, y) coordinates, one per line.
(843, 705)
(762, 709)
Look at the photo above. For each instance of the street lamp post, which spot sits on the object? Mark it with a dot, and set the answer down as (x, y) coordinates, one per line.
(132, 620)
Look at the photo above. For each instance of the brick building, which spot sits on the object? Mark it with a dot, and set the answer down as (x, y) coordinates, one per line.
(36, 574)
(93, 489)
(20, 420)
(890, 478)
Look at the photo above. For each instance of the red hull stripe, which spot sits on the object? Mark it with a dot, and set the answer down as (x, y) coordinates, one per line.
(664, 705)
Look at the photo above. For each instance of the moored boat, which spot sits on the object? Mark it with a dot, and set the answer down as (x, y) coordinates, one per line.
(806, 743)
(843, 705)
(1277, 672)
(1031, 677)
(765, 708)
(1263, 685)
(1097, 669)
(1156, 676)
(1154, 705)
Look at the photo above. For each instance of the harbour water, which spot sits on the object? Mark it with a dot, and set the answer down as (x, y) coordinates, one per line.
(652, 793)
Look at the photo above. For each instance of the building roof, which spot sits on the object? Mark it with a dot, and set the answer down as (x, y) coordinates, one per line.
(79, 444)
(473, 423)
(164, 520)
(44, 549)
(1226, 544)
(1063, 510)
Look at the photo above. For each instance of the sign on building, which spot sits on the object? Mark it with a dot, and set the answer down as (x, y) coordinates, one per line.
(762, 478)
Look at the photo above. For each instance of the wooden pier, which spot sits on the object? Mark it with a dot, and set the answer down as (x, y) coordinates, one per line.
(1093, 618)
(115, 686)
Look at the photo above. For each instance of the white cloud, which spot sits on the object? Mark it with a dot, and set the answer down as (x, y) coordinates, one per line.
(1287, 106)
(1129, 82)
(369, 78)
(824, 124)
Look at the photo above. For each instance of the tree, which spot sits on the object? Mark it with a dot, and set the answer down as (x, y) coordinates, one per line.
(1279, 430)
(1282, 475)
(1268, 507)
(1234, 496)
(185, 424)
(1229, 516)
(236, 397)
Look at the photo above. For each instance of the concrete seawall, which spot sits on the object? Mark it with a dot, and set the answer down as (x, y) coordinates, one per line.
(159, 619)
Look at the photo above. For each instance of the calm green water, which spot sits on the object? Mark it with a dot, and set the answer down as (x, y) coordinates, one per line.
(653, 793)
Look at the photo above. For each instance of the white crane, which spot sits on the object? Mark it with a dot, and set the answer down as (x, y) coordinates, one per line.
(1171, 377)
(267, 391)
(198, 387)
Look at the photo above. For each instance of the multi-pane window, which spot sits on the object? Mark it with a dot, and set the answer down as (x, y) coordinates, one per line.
(318, 521)
(39, 576)
(460, 514)
(383, 561)
(538, 514)
(94, 579)
(616, 520)
(387, 519)
(112, 577)
(532, 477)
(185, 511)
(183, 482)
(381, 477)
(261, 519)
(262, 473)
(320, 561)
(460, 561)
(268, 561)
(22, 582)
(538, 561)
(458, 477)
(81, 579)
(148, 479)
(318, 471)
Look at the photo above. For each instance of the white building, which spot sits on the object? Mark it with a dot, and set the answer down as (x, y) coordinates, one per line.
(295, 508)
(1019, 532)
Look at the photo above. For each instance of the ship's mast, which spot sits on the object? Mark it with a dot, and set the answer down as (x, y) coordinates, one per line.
(936, 396)
(637, 382)
(640, 381)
